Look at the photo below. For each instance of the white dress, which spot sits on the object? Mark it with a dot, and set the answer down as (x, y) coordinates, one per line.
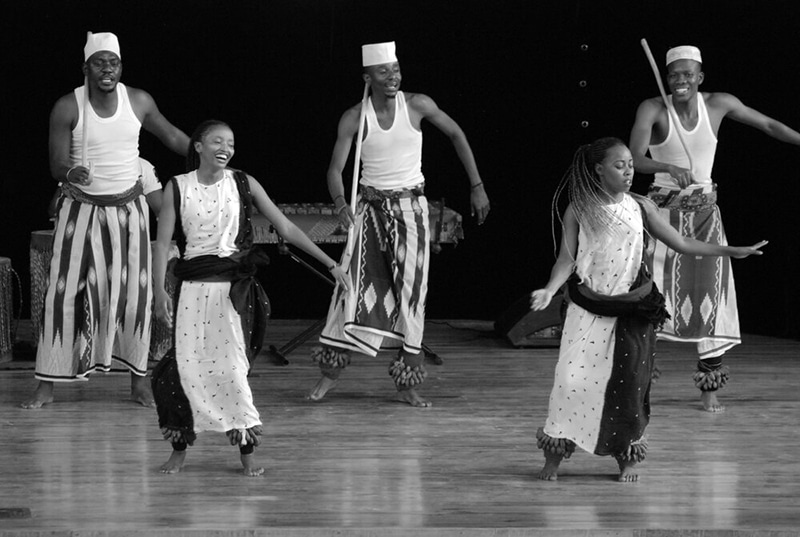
(608, 264)
(209, 343)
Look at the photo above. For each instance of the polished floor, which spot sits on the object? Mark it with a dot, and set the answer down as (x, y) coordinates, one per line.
(360, 464)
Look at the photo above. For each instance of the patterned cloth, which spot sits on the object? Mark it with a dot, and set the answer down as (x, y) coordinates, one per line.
(699, 291)
(389, 270)
(97, 305)
(212, 340)
(210, 350)
(600, 396)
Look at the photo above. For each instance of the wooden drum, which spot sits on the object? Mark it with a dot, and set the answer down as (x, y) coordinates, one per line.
(6, 309)
(41, 253)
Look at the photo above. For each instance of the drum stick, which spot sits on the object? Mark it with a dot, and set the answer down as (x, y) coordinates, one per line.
(667, 102)
(85, 132)
(350, 246)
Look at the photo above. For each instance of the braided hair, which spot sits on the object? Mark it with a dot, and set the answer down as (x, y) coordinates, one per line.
(584, 188)
(192, 158)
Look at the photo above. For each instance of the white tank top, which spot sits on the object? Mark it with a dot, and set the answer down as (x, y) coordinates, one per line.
(391, 158)
(113, 146)
(702, 145)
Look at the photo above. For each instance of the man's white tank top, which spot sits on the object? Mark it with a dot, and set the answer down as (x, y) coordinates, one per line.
(391, 158)
(701, 142)
(113, 146)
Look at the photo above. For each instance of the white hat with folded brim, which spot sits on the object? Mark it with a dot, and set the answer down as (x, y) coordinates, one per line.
(101, 41)
(684, 52)
(378, 54)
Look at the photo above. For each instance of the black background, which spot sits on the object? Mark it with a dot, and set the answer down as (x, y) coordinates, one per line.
(281, 72)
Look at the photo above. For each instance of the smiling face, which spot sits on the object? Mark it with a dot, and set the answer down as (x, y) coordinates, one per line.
(104, 70)
(384, 78)
(683, 78)
(215, 148)
(616, 171)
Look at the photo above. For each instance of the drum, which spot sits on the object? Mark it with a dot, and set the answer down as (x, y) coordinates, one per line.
(6, 310)
(446, 224)
(41, 253)
(320, 223)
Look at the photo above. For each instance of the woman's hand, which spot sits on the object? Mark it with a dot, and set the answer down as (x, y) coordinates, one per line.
(162, 306)
(740, 252)
(540, 299)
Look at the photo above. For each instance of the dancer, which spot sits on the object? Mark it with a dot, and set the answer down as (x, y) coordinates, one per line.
(221, 308)
(600, 397)
(98, 302)
(699, 292)
(391, 232)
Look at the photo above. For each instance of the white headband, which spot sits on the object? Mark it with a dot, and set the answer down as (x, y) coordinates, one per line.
(684, 52)
(378, 54)
(101, 41)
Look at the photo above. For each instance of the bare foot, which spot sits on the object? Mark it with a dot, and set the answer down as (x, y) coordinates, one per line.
(141, 392)
(175, 463)
(711, 403)
(411, 397)
(549, 471)
(627, 471)
(324, 384)
(41, 396)
(250, 468)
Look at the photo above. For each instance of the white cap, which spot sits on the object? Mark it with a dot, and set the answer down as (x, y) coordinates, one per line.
(101, 41)
(684, 52)
(378, 53)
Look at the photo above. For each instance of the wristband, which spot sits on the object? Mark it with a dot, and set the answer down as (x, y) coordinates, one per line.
(473, 187)
(67, 174)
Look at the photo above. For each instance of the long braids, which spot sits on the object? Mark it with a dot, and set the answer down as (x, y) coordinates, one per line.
(583, 188)
(192, 158)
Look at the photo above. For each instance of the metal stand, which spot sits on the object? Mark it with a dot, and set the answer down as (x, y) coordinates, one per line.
(280, 354)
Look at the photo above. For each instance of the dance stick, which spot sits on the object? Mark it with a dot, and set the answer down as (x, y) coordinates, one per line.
(85, 132)
(668, 103)
(350, 246)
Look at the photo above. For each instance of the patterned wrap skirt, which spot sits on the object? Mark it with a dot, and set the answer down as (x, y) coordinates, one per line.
(699, 290)
(389, 273)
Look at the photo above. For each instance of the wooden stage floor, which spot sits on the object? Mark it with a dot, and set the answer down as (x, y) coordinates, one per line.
(359, 464)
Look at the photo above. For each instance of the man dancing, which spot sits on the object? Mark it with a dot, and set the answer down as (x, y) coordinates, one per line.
(699, 291)
(389, 266)
(99, 295)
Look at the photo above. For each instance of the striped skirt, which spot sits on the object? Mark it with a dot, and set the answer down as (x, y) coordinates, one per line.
(98, 299)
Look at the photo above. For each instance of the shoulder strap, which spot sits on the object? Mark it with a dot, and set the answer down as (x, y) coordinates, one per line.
(244, 240)
(177, 233)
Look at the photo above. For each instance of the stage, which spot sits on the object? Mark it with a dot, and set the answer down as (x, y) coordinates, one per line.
(360, 464)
